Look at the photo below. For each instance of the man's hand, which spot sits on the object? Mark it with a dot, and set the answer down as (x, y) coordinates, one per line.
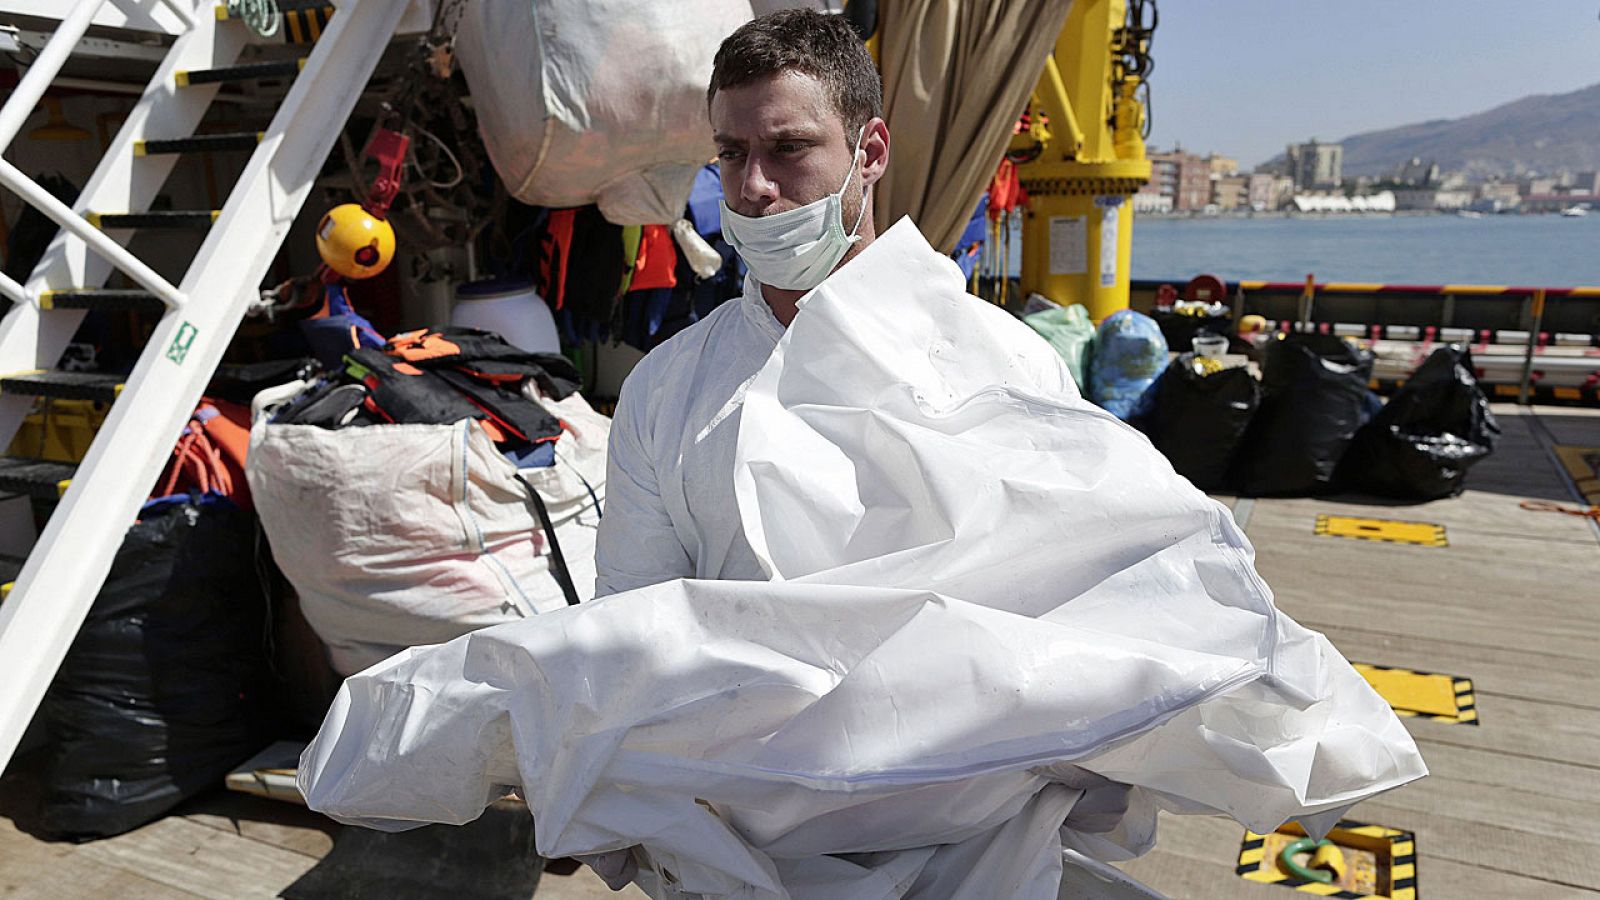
(615, 867)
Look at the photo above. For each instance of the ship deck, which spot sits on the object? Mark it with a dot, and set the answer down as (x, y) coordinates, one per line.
(1512, 807)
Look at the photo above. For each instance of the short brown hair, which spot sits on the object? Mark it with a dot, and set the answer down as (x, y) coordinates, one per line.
(823, 46)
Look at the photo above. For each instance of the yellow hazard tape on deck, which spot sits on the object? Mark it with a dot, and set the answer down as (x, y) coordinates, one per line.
(1425, 534)
(1382, 861)
(1425, 695)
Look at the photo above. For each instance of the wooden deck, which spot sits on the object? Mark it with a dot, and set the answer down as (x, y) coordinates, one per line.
(1511, 808)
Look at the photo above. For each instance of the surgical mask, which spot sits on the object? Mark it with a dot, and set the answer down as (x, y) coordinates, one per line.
(797, 248)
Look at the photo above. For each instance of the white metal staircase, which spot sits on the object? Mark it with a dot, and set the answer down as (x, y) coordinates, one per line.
(69, 562)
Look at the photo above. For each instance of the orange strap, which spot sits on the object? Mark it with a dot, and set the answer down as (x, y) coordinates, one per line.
(1589, 512)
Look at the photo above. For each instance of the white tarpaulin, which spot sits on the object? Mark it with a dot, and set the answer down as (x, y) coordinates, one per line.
(995, 609)
(397, 535)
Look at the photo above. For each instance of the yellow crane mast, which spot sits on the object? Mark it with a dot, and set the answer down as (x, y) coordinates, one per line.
(1081, 157)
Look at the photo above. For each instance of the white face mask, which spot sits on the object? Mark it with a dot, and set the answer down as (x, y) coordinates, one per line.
(797, 248)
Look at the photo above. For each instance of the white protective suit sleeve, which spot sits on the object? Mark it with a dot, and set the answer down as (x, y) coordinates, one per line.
(993, 608)
(637, 545)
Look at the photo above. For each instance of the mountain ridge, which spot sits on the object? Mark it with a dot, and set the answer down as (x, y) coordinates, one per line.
(1543, 133)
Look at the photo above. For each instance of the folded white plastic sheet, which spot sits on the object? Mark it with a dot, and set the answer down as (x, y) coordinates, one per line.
(999, 626)
(398, 535)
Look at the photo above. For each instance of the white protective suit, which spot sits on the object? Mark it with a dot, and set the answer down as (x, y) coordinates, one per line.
(998, 626)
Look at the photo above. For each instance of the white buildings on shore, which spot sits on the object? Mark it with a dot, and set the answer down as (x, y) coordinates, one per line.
(1382, 201)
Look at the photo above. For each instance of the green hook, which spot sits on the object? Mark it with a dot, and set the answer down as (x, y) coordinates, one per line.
(1324, 853)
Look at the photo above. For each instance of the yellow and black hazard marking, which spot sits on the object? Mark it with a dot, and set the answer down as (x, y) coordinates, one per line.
(1583, 467)
(1425, 695)
(1361, 861)
(303, 20)
(304, 26)
(1547, 394)
(1389, 531)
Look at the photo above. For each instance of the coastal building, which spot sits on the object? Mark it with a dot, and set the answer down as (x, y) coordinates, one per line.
(1315, 165)
(1151, 202)
(1183, 176)
(1229, 192)
(1558, 201)
(1496, 196)
(1548, 184)
(1269, 190)
(1222, 166)
(1417, 172)
(1163, 185)
(1383, 201)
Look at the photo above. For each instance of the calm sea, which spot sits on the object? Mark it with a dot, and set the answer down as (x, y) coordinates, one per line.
(1540, 251)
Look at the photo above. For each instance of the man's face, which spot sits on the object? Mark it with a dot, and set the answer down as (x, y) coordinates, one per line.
(781, 146)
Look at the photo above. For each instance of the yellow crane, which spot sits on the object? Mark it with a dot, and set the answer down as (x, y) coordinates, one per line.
(1081, 158)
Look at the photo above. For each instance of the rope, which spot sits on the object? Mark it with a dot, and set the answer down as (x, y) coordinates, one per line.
(261, 16)
(1589, 512)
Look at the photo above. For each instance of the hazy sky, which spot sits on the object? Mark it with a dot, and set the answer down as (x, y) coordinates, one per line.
(1245, 77)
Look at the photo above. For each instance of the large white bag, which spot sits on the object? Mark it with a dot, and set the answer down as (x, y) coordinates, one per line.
(599, 101)
(398, 535)
(995, 610)
(596, 101)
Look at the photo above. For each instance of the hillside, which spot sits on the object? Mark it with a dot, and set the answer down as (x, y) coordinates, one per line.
(1543, 133)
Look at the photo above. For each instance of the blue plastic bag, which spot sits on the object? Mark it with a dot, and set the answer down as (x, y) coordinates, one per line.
(1129, 355)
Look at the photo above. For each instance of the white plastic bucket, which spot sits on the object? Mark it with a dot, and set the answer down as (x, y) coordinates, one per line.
(514, 310)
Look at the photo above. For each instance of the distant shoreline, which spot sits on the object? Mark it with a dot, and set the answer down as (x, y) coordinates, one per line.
(1295, 214)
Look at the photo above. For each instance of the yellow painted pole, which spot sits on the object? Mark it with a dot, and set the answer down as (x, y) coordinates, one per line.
(1077, 242)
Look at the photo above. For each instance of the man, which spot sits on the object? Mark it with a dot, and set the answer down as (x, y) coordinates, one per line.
(796, 108)
(796, 112)
(954, 708)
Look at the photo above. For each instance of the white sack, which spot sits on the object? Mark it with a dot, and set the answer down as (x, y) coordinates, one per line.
(398, 535)
(596, 101)
(993, 608)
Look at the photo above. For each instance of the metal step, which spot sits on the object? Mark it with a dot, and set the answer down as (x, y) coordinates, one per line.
(287, 68)
(201, 143)
(199, 219)
(106, 300)
(64, 385)
(40, 478)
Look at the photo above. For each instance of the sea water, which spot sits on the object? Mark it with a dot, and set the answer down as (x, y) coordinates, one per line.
(1532, 250)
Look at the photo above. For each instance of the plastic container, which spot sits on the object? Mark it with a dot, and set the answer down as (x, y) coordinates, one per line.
(512, 309)
(1210, 346)
(59, 430)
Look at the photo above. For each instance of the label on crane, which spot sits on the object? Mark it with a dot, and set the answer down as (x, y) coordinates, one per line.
(1110, 216)
(1069, 245)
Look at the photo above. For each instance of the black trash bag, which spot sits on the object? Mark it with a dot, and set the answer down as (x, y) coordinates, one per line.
(1197, 420)
(1179, 329)
(1313, 392)
(1420, 445)
(157, 699)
